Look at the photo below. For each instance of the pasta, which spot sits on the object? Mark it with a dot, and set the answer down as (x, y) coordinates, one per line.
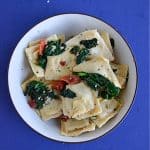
(99, 65)
(54, 69)
(74, 127)
(75, 81)
(81, 103)
(109, 110)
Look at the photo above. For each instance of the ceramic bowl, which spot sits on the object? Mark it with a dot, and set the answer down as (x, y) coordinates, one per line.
(19, 70)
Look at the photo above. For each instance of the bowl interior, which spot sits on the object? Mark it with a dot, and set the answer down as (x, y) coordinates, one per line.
(19, 70)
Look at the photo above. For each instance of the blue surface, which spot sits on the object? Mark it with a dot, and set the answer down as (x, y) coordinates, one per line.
(130, 17)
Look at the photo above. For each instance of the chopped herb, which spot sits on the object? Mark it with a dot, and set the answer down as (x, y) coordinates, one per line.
(52, 48)
(82, 55)
(39, 92)
(106, 89)
(68, 93)
(89, 43)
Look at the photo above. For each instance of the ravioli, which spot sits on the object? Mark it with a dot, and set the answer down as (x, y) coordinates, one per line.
(25, 83)
(98, 65)
(55, 70)
(74, 127)
(81, 103)
(72, 99)
(61, 37)
(67, 105)
(51, 110)
(121, 71)
(94, 112)
(106, 38)
(50, 38)
(100, 50)
(32, 55)
(109, 109)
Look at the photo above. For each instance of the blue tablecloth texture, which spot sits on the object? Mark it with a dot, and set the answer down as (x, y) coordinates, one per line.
(130, 17)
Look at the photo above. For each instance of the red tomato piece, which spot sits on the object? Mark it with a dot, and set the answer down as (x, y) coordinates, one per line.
(63, 117)
(58, 85)
(41, 47)
(32, 103)
(62, 63)
(71, 79)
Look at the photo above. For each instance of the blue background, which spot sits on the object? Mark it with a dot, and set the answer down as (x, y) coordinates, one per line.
(130, 17)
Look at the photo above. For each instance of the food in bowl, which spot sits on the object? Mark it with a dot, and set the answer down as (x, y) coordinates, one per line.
(77, 81)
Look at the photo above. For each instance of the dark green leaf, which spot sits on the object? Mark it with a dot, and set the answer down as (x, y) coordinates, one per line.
(89, 43)
(42, 61)
(112, 90)
(52, 94)
(39, 104)
(106, 89)
(39, 92)
(82, 55)
(68, 93)
(75, 50)
(52, 48)
(105, 95)
(91, 83)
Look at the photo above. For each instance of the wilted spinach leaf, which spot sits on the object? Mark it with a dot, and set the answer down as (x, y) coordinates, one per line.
(83, 53)
(89, 43)
(68, 93)
(52, 48)
(39, 92)
(99, 83)
(75, 50)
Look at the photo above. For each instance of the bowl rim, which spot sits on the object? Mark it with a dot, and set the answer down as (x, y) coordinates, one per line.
(136, 78)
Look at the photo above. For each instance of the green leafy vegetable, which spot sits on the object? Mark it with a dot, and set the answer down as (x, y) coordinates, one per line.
(81, 74)
(42, 61)
(83, 53)
(106, 89)
(52, 48)
(52, 94)
(39, 92)
(68, 93)
(75, 50)
(89, 43)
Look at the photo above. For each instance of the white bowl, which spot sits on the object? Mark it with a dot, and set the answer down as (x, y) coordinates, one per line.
(68, 24)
